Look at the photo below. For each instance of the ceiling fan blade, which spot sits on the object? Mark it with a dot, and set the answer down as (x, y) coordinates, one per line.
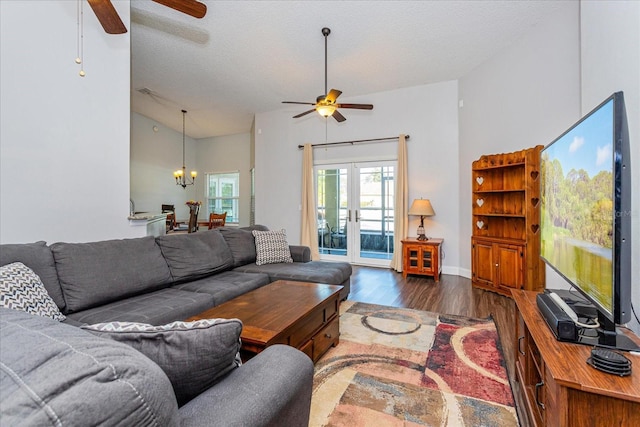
(304, 114)
(294, 102)
(108, 16)
(333, 95)
(356, 106)
(190, 7)
(339, 117)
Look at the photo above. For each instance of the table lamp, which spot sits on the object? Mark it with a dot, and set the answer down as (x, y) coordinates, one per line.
(421, 207)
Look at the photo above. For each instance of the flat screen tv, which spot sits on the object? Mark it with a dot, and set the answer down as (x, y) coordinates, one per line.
(586, 215)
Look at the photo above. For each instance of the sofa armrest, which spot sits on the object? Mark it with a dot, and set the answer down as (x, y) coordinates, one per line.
(272, 389)
(300, 253)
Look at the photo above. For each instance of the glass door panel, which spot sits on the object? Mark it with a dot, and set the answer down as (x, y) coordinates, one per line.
(355, 212)
(374, 215)
(332, 186)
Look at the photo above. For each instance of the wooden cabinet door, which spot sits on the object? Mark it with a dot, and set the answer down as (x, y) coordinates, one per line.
(510, 264)
(483, 265)
(412, 255)
(427, 260)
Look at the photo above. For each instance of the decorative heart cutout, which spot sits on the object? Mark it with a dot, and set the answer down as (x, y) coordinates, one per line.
(480, 202)
(480, 224)
(534, 175)
(479, 180)
(535, 228)
(535, 201)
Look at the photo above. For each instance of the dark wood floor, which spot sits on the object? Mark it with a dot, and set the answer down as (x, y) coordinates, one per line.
(452, 295)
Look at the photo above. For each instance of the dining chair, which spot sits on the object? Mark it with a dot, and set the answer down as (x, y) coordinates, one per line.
(193, 218)
(170, 210)
(217, 220)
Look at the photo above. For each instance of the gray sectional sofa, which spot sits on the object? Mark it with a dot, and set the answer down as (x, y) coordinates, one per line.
(154, 281)
(163, 279)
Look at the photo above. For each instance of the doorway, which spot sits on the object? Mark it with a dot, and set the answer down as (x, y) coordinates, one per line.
(356, 211)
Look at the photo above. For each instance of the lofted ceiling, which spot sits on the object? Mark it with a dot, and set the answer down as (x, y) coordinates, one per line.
(245, 57)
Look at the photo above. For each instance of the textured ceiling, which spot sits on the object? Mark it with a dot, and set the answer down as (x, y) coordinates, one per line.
(245, 57)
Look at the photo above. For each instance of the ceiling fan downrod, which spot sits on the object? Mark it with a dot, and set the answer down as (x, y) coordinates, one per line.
(325, 32)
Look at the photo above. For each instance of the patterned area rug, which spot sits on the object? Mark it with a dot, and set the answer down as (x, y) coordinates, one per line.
(401, 367)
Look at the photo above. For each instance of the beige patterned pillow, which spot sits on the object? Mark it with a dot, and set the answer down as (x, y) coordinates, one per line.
(21, 289)
(271, 247)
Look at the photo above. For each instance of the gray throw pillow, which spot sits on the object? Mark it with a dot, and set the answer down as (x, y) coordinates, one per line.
(271, 247)
(241, 243)
(194, 355)
(21, 289)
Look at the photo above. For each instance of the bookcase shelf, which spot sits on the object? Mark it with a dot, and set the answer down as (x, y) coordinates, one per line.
(506, 221)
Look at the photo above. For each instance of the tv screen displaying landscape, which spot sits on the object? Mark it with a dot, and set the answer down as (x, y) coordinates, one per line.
(577, 205)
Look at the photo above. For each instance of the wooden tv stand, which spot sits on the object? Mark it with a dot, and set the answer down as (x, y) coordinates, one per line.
(558, 387)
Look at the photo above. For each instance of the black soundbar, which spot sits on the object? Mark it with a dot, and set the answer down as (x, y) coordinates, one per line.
(560, 323)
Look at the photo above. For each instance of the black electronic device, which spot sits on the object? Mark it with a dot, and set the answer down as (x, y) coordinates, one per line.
(558, 320)
(610, 362)
(580, 305)
(585, 216)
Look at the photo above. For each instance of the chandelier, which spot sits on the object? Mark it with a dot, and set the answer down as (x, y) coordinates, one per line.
(181, 174)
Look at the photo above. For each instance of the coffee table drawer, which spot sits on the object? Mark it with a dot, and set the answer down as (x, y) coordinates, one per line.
(308, 349)
(315, 320)
(328, 336)
(307, 327)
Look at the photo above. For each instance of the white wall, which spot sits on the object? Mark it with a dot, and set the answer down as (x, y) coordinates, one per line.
(228, 153)
(155, 155)
(610, 63)
(64, 168)
(525, 96)
(428, 113)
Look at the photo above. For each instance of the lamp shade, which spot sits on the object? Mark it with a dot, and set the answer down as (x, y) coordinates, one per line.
(421, 207)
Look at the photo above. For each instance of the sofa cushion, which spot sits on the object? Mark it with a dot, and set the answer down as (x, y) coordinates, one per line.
(195, 255)
(226, 285)
(241, 243)
(56, 374)
(194, 355)
(271, 247)
(97, 273)
(21, 289)
(38, 257)
(332, 273)
(156, 308)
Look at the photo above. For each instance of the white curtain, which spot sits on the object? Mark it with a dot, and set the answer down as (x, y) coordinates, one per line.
(309, 228)
(400, 223)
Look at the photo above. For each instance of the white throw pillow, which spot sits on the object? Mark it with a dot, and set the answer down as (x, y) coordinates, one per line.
(271, 247)
(21, 289)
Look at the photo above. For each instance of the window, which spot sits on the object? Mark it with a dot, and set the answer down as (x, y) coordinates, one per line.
(223, 194)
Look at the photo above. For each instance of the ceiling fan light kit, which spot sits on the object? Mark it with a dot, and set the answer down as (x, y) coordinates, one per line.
(326, 104)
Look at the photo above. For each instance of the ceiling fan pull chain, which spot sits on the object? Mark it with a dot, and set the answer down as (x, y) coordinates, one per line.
(80, 41)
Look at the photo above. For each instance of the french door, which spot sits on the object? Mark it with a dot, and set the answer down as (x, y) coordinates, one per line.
(355, 211)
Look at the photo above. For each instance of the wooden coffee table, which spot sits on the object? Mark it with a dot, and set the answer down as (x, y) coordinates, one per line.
(300, 314)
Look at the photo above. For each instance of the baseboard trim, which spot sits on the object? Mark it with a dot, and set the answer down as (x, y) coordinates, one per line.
(457, 271)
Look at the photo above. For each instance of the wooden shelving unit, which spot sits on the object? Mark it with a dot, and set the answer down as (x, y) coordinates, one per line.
(505, 243)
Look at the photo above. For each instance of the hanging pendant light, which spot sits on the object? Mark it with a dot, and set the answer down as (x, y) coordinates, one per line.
(181, 174)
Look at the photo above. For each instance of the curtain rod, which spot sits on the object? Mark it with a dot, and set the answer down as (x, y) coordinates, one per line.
(354, 141)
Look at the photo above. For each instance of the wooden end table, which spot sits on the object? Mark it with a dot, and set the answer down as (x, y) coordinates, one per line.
(300, 314)
(422, 257)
